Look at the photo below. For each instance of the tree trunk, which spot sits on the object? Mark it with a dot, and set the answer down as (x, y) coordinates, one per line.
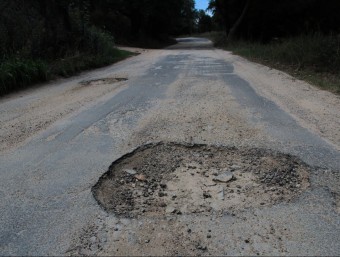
(236, 25)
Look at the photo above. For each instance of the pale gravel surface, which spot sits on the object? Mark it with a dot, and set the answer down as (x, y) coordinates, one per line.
(47, 106)
(58, 139)
(315, 109)
(29, 112)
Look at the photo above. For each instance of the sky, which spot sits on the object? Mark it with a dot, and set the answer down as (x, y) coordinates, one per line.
(202, 4)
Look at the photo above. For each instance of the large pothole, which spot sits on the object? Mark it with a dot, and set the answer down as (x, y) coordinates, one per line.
(174, 179)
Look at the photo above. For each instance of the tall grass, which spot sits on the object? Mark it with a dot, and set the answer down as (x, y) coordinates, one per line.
(97, 50)
(71, 65)
(16, 73)
(314, 57)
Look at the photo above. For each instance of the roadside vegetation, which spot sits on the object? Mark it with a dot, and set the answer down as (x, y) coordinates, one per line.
(18, 72)
(42, 40)
(314, 58)
(300, 37)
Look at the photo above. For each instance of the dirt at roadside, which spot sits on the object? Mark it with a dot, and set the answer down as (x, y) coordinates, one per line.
(36, 109)
(315, 109)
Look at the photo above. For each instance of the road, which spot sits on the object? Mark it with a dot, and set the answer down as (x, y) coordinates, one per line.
(58, 139)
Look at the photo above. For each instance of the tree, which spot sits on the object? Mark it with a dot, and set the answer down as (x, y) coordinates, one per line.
(236, 25)
(153, 18)
(220, 11)
(204, 22)
(265, 19)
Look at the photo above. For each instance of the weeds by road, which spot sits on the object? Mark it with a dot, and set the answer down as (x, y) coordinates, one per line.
(19, 73)
(314, 58)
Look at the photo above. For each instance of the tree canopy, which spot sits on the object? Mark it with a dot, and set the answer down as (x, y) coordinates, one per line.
(265, 19)
(55, 26)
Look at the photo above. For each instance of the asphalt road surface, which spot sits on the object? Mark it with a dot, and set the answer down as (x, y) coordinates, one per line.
(58, 139)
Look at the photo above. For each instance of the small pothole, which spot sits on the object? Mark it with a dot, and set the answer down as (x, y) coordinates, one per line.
(101, 81)
(174, 179)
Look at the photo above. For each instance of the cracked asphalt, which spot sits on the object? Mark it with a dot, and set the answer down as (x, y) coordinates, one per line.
(53, 152)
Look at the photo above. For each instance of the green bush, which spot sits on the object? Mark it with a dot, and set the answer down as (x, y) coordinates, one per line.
(44, 39)
(17, 73)
(97, 50)
(98, 42)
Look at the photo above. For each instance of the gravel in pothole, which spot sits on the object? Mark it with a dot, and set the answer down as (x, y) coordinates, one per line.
(175, 179)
